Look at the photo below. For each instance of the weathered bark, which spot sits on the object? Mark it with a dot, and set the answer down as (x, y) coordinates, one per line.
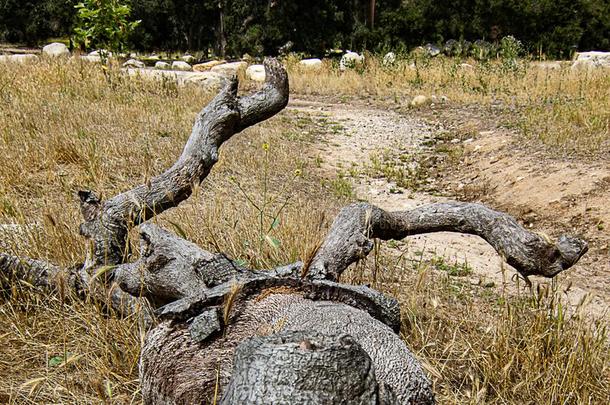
(107, 223)
(351, 237)
(301, 368)
(36, 272)
(171, 268)
(75, 280)
(178, 367)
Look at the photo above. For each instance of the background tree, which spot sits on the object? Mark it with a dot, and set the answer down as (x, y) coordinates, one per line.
(257, 27)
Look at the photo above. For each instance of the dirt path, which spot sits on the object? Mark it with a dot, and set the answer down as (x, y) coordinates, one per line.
(366, 144)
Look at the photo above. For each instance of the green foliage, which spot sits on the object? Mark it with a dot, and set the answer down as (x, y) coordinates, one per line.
(551, 28)
(28, 21)
(103, 24)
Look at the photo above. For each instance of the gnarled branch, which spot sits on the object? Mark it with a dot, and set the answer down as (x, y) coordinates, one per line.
(350, 237)
(107, 223)
(36, 272)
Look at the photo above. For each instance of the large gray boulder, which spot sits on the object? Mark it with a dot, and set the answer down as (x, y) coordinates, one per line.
(311, 64)
(160, 65)
(181, 65)
(134, 63)
(56, 50)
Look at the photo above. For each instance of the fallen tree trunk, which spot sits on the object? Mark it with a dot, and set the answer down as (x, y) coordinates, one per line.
(292, 334)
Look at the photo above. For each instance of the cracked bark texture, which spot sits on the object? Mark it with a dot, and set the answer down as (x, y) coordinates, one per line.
(351, 237)
(301, 368)
(175, 369)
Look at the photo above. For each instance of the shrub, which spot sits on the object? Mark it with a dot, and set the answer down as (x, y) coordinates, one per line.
(103, 24)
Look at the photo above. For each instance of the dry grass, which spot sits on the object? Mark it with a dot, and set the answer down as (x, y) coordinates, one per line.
(481, 346)
(70, 127)
(565, 109)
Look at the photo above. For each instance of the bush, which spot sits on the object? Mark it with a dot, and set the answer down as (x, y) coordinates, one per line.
(103, 24)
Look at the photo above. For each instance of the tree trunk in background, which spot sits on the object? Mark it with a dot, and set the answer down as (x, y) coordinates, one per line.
(222, 39)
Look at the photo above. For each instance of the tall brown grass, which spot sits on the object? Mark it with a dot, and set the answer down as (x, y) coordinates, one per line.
(71, 126)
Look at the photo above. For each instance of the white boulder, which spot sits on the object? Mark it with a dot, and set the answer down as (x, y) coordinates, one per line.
(162, 65)
(134, 63)
(229, 69)
(202, 67)
(182, 66)
(22, 58)
(311, 64)
(593, 59)
(389, 59)
(351, 60)
(256, 73)
(56, 50)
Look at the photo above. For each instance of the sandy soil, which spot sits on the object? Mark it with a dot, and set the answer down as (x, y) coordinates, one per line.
(548, 196)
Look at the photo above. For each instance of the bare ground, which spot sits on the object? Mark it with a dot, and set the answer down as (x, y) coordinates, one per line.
(550, 195)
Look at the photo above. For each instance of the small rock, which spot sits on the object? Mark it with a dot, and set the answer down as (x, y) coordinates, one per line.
(311, 64)
(444, 99)
(389, 59)
(466, 66)
(181, 66)
(134, 63)
(351, 60)
(256, 73)
(162, 65)
(432, 50)
(202, 67)
(419, 101)
(56, 50)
